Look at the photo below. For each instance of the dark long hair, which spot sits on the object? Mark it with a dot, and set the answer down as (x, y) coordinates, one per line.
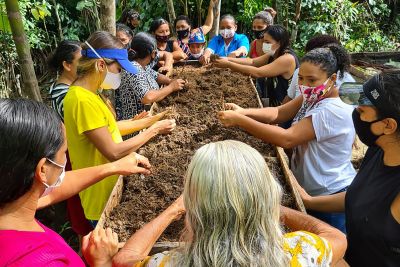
(281, 35)
(64, 52)
(29, 132)
(142, 45)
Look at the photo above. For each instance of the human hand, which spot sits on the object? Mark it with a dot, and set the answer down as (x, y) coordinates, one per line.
(164, 126)
(221, 63)
(271, 11)
(232, 106)
(132, 163)
(177, 84)
(235, 54)
(213, 3)
(204, 59)
(228, 118)
(164, 70)
(99, 246)
(178, 207)
(142, 115)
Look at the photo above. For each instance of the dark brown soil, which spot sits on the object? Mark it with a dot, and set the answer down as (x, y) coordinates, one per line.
(194, 109)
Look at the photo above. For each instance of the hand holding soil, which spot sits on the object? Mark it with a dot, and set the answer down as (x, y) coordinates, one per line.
(99, 246)
(221, 63)
(204, 59)
(228, 118)
(232, 106)
(164, 126)
(177, 84)
(133, 163)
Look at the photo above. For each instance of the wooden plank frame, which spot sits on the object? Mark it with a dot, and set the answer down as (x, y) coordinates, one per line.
(116, 193)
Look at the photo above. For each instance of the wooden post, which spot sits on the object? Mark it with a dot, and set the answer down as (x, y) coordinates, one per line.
(30, 86)
(171, 11)
(59, 27)
(217, 16)
(107, 16)
(296, 20)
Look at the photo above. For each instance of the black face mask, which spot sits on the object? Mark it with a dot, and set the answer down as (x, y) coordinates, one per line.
(162, 39)
(183, 34)
(363, 129)
(258, 34)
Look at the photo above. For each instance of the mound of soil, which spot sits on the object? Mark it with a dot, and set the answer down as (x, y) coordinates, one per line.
(194, 109)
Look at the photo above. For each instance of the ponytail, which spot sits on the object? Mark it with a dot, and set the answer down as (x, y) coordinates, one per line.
(332, 58)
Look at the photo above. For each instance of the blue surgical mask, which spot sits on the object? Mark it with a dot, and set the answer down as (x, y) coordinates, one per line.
(60, 179)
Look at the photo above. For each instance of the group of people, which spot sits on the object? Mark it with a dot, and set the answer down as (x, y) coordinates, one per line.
(76, 150)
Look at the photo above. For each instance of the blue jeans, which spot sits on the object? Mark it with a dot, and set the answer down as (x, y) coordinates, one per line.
(335, 219)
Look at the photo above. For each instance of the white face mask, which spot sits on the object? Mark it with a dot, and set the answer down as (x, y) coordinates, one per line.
(60, 179)
(227, 33)
(111, 81)
(198, 55)
(267, 49)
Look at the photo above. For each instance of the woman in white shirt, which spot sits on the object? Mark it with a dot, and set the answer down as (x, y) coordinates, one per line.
(322, 132)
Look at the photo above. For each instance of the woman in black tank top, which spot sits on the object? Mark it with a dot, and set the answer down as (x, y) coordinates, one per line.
(372, 201)
(277, 65)
(161, 31)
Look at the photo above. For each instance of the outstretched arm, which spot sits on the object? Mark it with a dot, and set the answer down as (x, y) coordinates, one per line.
(78, 180)
(140, 243)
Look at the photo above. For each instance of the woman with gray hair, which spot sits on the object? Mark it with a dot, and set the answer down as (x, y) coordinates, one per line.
(233, 218)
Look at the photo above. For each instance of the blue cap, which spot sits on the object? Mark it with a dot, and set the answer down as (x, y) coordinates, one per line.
(197, 38)
(120, 55)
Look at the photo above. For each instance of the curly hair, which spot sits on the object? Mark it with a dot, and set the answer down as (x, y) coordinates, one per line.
(320, 41)
(331, 58)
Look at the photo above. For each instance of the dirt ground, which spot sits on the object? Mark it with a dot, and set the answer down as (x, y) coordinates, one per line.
(194, 109)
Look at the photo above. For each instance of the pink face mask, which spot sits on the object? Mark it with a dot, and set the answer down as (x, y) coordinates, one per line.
(314, 94)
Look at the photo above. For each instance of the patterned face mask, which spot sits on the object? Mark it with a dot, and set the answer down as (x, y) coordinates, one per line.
(314, 94)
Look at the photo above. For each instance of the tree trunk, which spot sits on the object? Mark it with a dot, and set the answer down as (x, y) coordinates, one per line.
(217, 13)
(59, 28)
(296, 20)
(30, 83)
(107, 16)
(171, 11)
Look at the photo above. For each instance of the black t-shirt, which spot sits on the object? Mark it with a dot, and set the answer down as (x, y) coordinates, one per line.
(373, 234)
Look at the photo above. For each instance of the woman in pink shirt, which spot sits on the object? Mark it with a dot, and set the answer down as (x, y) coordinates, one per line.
(32, 176)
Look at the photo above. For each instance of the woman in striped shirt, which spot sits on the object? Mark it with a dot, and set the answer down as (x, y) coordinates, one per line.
(64, 60)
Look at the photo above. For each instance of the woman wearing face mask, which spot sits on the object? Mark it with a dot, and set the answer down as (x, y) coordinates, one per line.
(94, 137)
(316, 42)
(124, 34)
(261, 21)
(32, 155)
(228, 43)
(372, 201)
(130, 18)
(183, 27)
(143, 87)
(161, 31)
(277, 65)
(322, 132)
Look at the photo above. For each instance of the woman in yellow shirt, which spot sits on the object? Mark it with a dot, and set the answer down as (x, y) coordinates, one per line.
(94, 136)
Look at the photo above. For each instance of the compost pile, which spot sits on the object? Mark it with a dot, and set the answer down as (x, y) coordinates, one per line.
(194, 109)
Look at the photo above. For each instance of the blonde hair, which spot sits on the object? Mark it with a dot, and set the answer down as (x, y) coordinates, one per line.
(233, 205)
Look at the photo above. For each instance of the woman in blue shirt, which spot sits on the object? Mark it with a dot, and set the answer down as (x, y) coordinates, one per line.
(228, 43)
